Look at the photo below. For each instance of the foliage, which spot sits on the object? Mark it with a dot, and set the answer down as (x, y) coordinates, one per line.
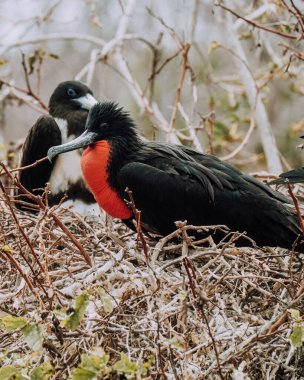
(297, 334)
(10, 373)
(32, 332)
(106, 300)
(174, 68)
(74, 319)
(96, 365)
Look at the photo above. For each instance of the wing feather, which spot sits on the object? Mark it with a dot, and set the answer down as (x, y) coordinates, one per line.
(43, 134)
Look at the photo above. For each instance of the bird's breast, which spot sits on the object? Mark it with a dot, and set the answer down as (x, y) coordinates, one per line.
(94, 165)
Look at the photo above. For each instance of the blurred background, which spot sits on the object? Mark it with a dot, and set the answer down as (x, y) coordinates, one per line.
(225, 77)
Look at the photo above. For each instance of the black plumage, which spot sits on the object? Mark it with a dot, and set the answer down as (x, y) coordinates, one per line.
(68, 109)
(291, 176)
(171, 183)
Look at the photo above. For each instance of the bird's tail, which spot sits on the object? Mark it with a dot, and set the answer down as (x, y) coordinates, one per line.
(292, 176)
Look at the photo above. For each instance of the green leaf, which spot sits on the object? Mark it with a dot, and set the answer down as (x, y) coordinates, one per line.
(106, 300)
(92, 363)
(13, 323)
(52, 55)
(125, 366)
(74, 320)
(83, 374)
(43, 372)
(246, 35)
(33, 336)
(92, 366)
(297, 336)
(221, 130)
(7, 249)
(295, 314)
(9, 373)
(145, 366)
(31, 62)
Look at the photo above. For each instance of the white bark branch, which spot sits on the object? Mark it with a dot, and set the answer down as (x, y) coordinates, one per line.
(54, 36)
(254, 98)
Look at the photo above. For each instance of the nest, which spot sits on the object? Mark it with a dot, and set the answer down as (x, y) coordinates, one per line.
(184, 310)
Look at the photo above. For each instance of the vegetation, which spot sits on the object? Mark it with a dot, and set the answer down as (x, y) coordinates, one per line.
(83, 299)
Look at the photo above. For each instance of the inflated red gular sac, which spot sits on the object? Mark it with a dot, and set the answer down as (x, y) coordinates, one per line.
(171, 183)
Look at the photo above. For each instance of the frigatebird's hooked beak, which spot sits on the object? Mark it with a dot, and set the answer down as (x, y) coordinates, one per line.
(85, 139)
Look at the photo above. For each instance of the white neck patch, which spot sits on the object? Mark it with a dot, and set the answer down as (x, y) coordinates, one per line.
(63, 126)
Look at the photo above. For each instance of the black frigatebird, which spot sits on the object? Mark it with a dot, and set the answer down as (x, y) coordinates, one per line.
(171, 183)
(68, 110)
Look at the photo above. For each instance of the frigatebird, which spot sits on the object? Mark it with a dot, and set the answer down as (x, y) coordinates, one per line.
(171, 183)
(68, 110)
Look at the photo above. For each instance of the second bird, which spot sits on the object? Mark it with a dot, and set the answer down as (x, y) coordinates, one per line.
(68, 107)
(171, 183)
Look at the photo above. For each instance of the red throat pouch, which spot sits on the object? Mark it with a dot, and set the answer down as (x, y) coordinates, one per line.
(94, 165)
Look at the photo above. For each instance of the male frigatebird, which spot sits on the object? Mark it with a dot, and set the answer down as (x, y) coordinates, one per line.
(171, 183)
(68, 107)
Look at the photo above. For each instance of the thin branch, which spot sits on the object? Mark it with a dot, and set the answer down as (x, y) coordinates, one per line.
(219, 367)
(27, 92)
(256, 25)
(297, 207)
(28, 85)
(26, 238)
(38, 200)
(137, 215)
(254, 97)
(185, 51)
(15, 263)
(55, 36)
(245, 141)
(21, 168)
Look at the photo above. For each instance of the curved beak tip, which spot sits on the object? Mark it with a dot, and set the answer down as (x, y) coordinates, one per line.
(51, 154)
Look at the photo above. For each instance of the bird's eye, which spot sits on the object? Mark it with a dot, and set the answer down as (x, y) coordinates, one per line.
(71, 92)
